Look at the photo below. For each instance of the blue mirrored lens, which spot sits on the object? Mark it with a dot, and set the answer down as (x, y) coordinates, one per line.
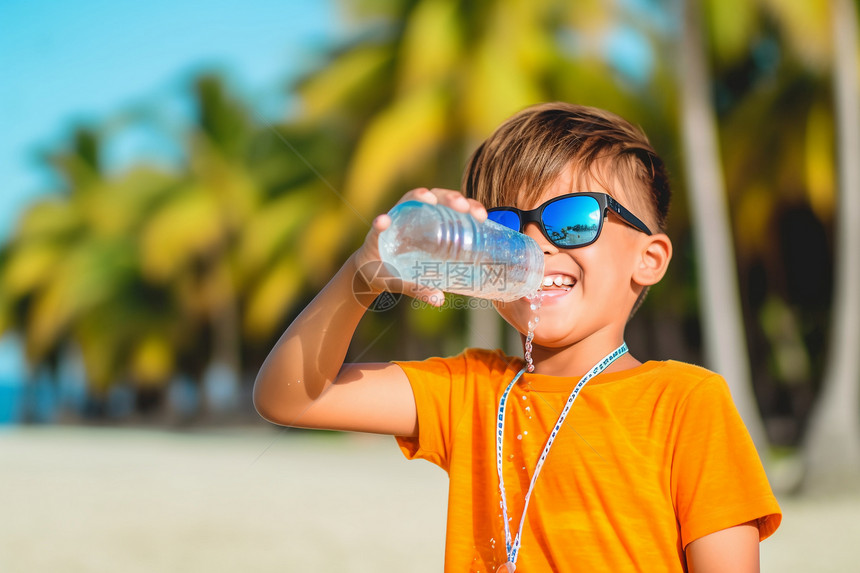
(508, 219)
(572, 221)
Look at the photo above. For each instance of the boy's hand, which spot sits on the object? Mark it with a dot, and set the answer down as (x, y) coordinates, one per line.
(368, 266)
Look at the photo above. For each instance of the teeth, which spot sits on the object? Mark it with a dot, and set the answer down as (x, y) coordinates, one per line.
(558, 281)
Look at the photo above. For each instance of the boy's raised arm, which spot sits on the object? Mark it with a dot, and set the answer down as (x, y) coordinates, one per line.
(304, 381)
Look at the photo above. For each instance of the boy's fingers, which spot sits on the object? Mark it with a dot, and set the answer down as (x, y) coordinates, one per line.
(381, 222)
(422, 292)
(477, 210)
(448, 197)
(428, 196)
(431, 297)
(436, 299)
(420, 194)
(454, 199)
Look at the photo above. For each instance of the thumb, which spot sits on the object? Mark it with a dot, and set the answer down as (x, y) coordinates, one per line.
(433, 297)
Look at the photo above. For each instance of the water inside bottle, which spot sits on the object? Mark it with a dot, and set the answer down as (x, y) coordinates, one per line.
(534, 304)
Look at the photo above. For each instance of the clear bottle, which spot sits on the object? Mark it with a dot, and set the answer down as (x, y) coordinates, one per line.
(440, 248)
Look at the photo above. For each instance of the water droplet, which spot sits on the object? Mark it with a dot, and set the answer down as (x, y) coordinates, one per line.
(510, 456)
(519, 436)
(526, 433)
(528, 408)
(525, 397)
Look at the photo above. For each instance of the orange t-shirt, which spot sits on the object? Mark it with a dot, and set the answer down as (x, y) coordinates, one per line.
(648, 460)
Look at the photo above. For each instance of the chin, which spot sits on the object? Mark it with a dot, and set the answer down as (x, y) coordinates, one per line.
(554, 338)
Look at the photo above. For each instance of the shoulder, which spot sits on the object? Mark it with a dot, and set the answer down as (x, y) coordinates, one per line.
(685, 378)
(699, 402)
(676, 389)
(684, 371)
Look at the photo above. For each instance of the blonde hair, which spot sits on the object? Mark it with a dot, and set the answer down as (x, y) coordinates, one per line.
(532, 148)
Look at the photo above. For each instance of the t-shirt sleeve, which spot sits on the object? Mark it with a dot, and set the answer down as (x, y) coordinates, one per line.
(438, 388)
(717, 477)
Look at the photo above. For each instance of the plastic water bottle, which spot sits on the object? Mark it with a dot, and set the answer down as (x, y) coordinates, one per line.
(437, 247)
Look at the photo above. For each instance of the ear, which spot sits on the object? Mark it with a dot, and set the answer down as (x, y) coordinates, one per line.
(654, 256)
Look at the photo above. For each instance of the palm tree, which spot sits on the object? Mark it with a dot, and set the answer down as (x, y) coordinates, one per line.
(767, 166)
(764, 170)
(188, 241)
(69, 273)
(725, 342)
(833, 443)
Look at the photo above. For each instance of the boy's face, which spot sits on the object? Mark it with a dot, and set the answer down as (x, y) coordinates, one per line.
(598, 290)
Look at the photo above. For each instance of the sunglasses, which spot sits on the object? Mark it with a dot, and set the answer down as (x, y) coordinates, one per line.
(568, 221)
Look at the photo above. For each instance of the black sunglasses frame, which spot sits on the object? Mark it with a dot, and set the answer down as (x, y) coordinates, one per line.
(605, 202)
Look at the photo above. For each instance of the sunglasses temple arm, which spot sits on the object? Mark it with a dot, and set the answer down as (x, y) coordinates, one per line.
(628, 217)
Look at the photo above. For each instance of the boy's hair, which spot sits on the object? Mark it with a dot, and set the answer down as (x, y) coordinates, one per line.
(532, 148)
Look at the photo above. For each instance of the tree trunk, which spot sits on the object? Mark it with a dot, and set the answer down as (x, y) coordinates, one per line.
(222, 378)
(484, 328)
(832, 447)
(724, 338)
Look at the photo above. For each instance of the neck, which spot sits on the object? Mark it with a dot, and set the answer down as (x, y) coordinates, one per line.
(578, 358)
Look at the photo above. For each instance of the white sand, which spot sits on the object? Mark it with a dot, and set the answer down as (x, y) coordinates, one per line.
(269, 500)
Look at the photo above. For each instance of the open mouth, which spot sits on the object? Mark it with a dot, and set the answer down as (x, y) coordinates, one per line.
(558, 282)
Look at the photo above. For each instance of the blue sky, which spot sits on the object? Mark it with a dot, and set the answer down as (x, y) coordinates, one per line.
(88, 60)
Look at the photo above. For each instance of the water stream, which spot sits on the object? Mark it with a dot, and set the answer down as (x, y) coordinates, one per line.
(534, 303)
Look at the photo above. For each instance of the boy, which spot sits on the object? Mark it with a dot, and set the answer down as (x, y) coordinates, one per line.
(593, 461)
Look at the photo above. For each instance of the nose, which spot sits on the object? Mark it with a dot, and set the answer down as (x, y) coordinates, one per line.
(534, 231)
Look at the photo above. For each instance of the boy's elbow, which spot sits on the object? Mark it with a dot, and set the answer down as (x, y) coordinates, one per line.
(264, 403)
(276, 404)
(261, 406)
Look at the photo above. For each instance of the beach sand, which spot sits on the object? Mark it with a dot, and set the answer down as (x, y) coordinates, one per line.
(266, 499)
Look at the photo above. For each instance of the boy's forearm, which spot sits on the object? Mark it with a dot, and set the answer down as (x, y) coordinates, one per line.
(310, 353)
